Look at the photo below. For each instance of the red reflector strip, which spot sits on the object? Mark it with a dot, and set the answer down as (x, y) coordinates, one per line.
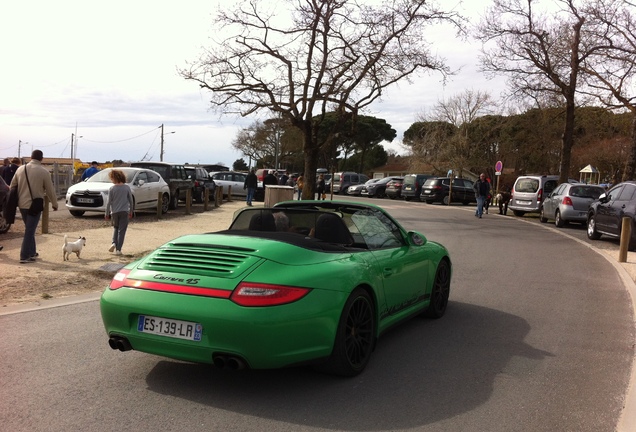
(177, 289)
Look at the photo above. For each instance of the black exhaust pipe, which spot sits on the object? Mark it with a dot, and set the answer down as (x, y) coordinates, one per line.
(235, 363)
(119, 343)
(219, 361)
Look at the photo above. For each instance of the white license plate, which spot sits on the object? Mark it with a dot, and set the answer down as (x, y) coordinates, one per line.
(523, 202)
(169, 327)
(86, 200)
(427, 191)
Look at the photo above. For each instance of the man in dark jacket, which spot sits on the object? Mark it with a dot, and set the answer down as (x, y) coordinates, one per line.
(482, 190)
(270, 179)
(251, 183)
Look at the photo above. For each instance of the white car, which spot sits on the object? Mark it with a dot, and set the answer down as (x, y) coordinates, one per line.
(91, 195)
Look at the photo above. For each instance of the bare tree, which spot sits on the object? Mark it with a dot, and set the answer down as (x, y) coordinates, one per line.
(540, 52)
(303, 58)
(609, 73)
(458, 151)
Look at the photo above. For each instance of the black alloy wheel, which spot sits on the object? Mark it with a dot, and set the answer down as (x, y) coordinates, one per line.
(355, 336)
(440, 291)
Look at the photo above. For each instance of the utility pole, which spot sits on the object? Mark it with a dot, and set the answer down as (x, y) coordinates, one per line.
(161, 152)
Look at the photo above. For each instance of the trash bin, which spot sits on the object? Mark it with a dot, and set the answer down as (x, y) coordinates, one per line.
(275, 194)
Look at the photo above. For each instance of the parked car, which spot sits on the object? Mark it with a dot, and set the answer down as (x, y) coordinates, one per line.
(529, 191)
(201, 182)
(355, 189)
(236, 180)
(569, 202)
(394, 188)
(342, 180)
(174, 174)
(91, 195)
(605, 215)
(438, 189)
(303, 282)
(412, 186)
(4, 196)
(378, 188)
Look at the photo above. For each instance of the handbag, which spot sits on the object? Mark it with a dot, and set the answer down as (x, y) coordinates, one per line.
(37, 204)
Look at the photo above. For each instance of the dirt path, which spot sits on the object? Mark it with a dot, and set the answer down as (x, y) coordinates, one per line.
(52, 278)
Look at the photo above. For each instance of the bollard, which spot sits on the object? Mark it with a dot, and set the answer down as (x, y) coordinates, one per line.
(188, 202)
(45, 216)
(159, 199)
(206, 198)
(626, 235)
(229, 193)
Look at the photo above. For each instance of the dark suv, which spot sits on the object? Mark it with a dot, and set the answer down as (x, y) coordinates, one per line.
(438, 189)
(174, 174)
(412, 186)
(604, 217)
(201, 181)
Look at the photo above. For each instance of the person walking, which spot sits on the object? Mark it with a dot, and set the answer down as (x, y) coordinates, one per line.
(503, 199)
(90, 171)
(320, 187)
(33, 182)
(251, 183)
(482, 190)
(300, 182)
(10, 170)
(120, 208)
(5, 164)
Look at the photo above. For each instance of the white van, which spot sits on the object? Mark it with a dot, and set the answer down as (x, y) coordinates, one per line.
(529, 191)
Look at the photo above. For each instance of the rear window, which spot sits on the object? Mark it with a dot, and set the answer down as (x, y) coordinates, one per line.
(409, 180)
(527, 185)
(431, 182)
(586, 192)
(336, 177)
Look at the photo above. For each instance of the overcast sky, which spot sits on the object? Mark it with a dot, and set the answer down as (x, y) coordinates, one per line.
(107, 71)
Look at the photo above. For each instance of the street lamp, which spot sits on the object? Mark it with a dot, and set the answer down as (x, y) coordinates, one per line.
(19, 146)
(74, 139)
(161, 152)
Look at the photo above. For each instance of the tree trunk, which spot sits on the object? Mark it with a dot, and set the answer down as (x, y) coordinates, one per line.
(567, 142)
(311, 151)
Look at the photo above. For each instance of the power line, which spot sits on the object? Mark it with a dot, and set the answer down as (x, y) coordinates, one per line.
(125, 139)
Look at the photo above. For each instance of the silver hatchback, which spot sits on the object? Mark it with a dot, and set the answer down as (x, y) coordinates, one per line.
(569, 202)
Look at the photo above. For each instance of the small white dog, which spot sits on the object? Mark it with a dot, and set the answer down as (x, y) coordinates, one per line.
(73, 247)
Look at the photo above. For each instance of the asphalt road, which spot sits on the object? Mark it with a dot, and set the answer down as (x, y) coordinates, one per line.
(537, 337)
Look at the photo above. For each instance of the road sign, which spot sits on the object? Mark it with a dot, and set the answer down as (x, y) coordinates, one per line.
(498, 166)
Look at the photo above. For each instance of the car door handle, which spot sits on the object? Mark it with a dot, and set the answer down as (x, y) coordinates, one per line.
(387, 272)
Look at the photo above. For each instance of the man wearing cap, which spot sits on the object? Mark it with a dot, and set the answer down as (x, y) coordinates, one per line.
(90, 171)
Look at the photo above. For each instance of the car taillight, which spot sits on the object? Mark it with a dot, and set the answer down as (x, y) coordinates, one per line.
(258, 294)
(540, 195)
(119, 280)
(567, 201)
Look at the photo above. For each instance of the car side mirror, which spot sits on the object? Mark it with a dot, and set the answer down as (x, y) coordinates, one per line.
(603, 198)
(416, 239)
(141, 182)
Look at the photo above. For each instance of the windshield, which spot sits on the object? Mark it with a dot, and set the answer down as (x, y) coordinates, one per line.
(102, 176)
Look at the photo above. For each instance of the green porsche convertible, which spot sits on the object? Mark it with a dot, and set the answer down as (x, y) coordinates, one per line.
(301, 283)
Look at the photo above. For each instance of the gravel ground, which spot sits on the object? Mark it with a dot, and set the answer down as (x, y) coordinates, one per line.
(52, 278)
